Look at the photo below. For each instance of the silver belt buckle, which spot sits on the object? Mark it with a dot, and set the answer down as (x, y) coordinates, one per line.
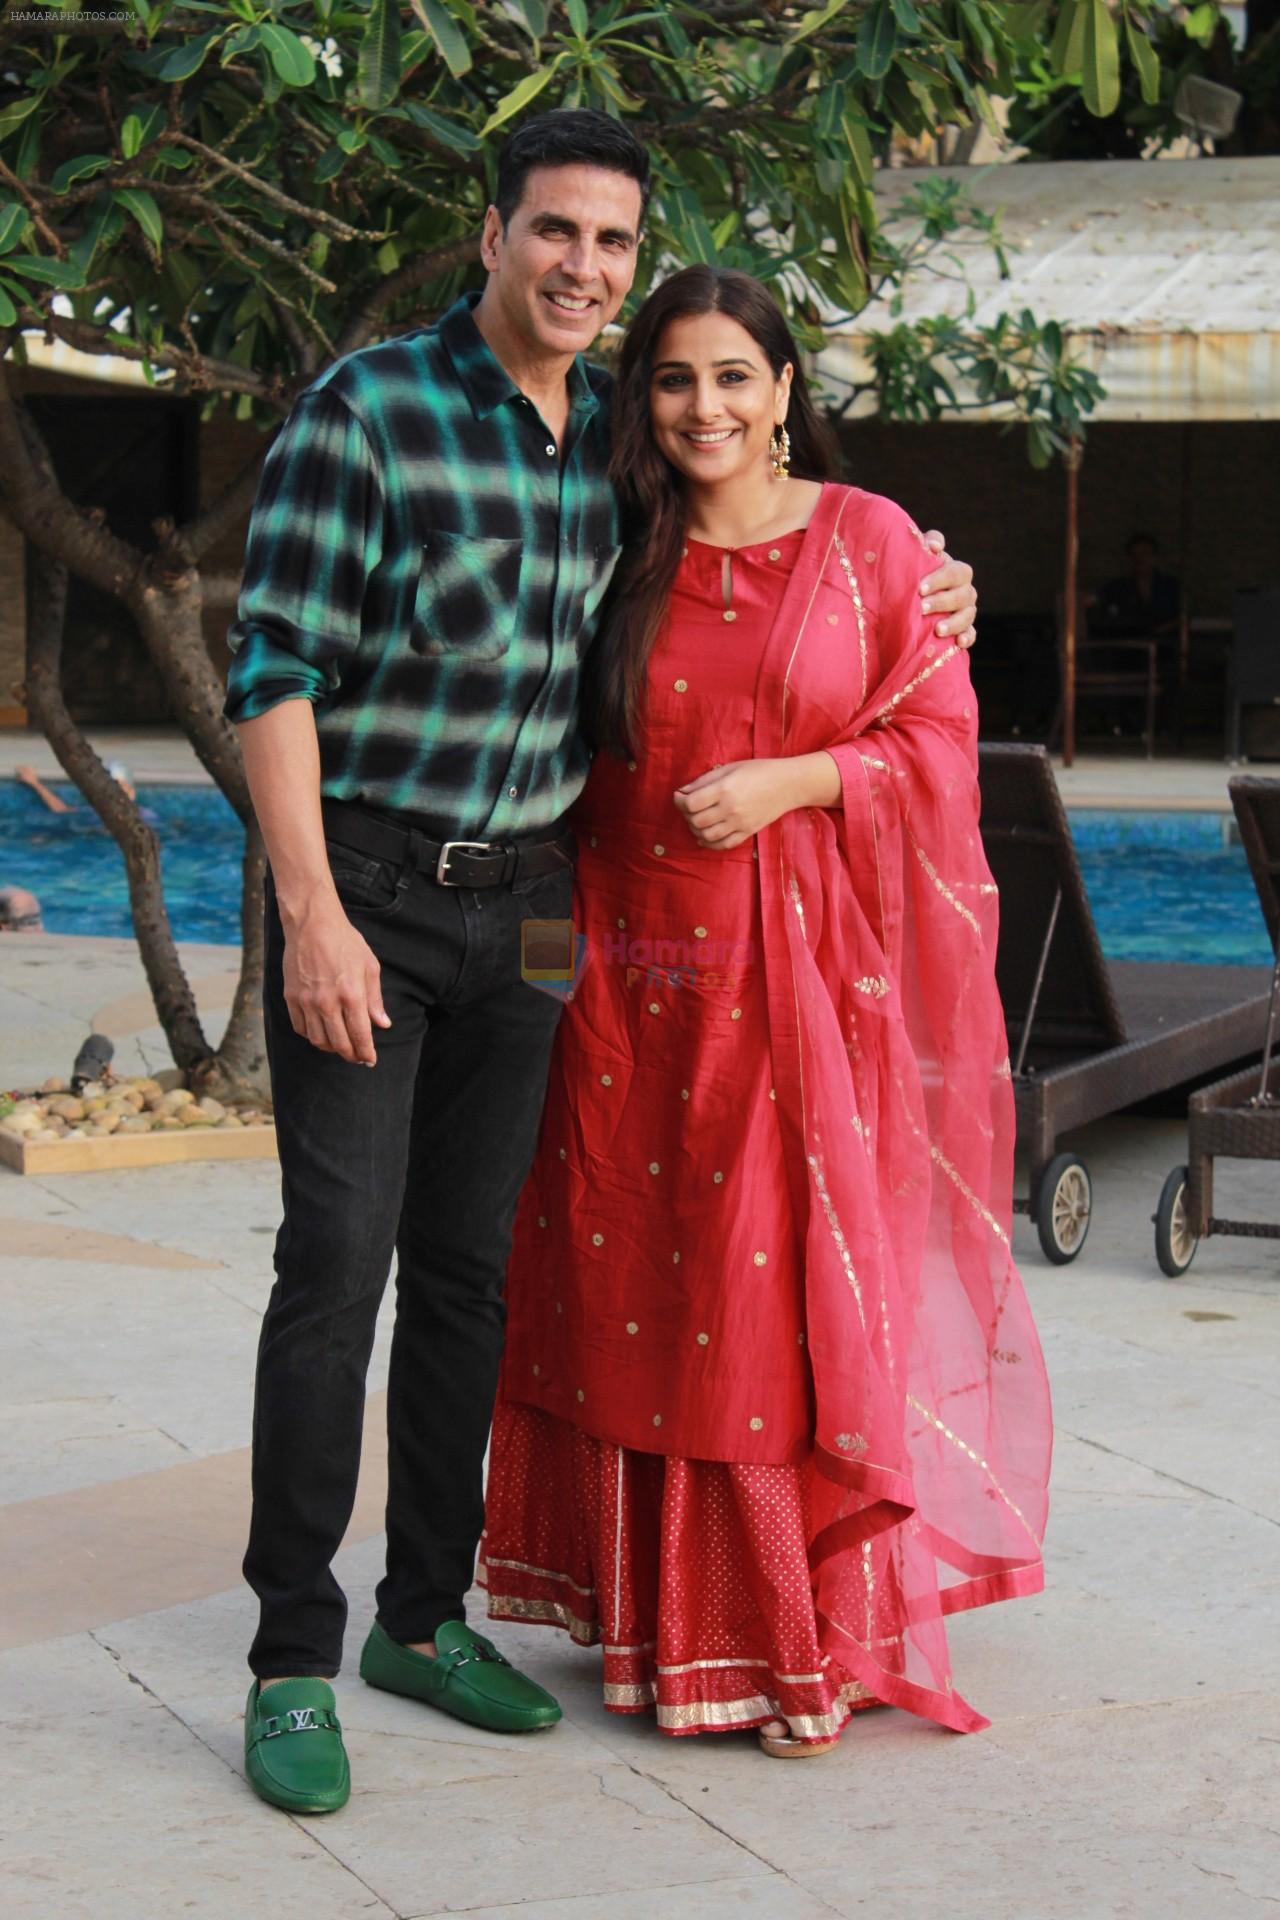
(442, 864)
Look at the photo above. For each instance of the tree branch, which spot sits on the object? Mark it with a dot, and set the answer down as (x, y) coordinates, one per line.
(39, 509)
(200, 373)
(314, 216)
(206, 528)
(363, 323)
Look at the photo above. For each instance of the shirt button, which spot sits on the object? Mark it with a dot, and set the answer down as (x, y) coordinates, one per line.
(551, 449)
(512, 792)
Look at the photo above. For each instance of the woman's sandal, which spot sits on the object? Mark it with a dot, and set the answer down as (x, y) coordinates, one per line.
(785, 1746)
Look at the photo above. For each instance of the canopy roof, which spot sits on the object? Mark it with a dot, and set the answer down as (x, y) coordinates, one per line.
(1168, 271)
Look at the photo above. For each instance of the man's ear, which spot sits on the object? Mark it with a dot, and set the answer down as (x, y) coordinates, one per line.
(490, 235)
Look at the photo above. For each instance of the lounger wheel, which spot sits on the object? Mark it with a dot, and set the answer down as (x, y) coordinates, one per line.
(1175, 1242)
(1064, 1202)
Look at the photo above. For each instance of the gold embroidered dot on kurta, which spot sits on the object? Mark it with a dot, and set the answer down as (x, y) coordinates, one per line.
(597, 1239)
(718, 1178)
(775, 553)
(581, 1394)
(755, 1423)
(659, 851)
(606, 1079)
(833, 619)
(593, 841)
(682, 686)
(729, 614)
(699, 933)
(675, 1259)
(536, 1372)
(631, 766)
(632, 1327)
(761, 1259)
(654, 1167)
(657, 1419)
(773, 1093)
(736, 1014)
(563, 1154)
(654, 1007)
(869, 556)
(684, 1093)
(704, 1339)
(542, 1219)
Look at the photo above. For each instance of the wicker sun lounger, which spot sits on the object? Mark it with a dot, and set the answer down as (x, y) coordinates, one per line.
(1237, 1118)
(1087, 1036)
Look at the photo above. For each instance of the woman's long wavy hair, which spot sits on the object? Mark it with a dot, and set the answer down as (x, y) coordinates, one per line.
(652, 493)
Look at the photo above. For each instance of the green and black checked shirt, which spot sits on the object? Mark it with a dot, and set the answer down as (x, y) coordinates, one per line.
(427, 567)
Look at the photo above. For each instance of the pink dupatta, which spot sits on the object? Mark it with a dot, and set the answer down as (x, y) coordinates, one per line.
(891, 1068)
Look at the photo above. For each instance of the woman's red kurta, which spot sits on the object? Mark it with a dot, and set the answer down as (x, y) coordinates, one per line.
(768, 1222)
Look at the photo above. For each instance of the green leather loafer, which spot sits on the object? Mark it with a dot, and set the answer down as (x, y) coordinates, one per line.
(469, 1678)
(293, 1755)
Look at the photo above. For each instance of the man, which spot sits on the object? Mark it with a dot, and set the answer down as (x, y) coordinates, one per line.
(1142, 604)
(432, 537)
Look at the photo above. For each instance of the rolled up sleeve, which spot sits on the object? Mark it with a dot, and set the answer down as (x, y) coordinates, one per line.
(314, 539)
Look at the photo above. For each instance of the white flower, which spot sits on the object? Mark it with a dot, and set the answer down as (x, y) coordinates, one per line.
(328, 55)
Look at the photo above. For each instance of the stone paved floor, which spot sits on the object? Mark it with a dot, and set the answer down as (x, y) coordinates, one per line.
(1129, 1772)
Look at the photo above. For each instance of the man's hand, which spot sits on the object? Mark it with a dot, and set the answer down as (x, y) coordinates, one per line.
(949, 590)
(332, 982)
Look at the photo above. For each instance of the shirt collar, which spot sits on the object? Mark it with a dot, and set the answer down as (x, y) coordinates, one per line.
(482, 376)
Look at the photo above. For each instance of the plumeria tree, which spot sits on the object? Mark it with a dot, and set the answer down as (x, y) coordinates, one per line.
(233, 195)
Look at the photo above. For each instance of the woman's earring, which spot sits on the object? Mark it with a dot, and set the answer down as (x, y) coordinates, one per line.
(780, 451)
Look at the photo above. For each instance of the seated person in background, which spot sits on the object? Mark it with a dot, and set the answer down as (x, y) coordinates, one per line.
(19, 911)
(1143, 604)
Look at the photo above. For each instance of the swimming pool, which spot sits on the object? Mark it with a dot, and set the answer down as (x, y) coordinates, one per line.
(1163, 885)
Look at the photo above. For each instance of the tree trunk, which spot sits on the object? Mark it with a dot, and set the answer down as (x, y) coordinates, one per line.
(174, 1001)
(167, 603)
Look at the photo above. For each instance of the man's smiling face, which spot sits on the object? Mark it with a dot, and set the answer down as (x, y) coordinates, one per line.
(565, 264)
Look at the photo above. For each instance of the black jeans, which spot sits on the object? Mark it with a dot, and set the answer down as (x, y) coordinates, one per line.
(424, 1154)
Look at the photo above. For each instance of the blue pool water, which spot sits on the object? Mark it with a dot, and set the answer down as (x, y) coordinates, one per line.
(1163, 885)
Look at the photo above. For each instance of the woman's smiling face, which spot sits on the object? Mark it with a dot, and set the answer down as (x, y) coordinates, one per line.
(713, 398)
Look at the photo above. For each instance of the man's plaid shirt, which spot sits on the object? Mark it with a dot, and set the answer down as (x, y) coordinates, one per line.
(425, 566)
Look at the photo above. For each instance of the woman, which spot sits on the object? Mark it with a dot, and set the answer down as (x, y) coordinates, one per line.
(773, 1403)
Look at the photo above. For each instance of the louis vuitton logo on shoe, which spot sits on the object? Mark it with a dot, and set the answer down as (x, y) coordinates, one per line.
(303, 1720)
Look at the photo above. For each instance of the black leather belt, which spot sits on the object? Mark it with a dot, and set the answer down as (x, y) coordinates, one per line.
(451, 863)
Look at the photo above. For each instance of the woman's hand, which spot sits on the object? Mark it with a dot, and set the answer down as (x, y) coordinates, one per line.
(735, 802)
(949, 590)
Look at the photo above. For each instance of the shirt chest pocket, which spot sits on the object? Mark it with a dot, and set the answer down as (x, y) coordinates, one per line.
(467, 597)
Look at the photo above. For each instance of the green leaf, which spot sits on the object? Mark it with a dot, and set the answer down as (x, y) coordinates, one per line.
(83, 167)
(1201, 24)
(145, 212)
(533, 17)
(131, 136)
(387, 257)
(1146, 64)
(54, 273)
(186, 59)
(14, 116)
(577, 12)
(877, 38)
(352, 139)
(814, 21)
(329, 165)
(519, 97)
(906, 16)
(1024, 19)
(294, 63)
(8, 312)
(446, 33)
(1101, 60)
(450, 133)
(386, 153)
(1066, 50)
(243, 41)
(378, 79)
(14, 221)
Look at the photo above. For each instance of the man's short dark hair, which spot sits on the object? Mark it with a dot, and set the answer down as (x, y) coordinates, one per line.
(568, 137)
(1142, 540)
